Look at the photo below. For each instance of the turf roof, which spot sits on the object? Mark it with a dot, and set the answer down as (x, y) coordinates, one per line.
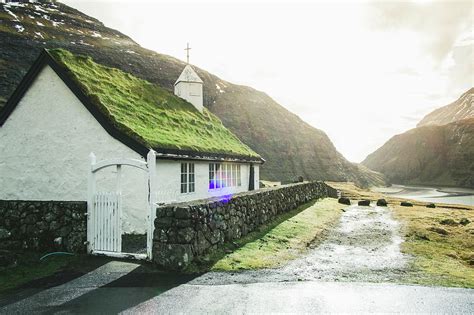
(148, 113)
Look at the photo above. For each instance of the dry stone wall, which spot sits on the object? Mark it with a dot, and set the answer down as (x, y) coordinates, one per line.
(43, 225)
(188, 231)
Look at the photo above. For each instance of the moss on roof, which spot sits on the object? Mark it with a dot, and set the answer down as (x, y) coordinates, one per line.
(149, 113)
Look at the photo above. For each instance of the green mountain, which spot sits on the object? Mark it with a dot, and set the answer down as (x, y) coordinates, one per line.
(291, 147)
(433, 153)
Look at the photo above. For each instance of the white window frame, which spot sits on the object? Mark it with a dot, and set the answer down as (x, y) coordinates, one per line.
(188, 178)
(223, 175)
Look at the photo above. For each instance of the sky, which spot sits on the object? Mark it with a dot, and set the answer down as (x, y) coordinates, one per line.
(362, 71)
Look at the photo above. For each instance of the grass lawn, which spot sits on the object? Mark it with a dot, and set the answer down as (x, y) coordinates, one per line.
(446, 260)
(284, 239)
(443, 253)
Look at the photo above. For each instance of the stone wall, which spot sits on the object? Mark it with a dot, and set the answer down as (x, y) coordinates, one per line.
(187, 231)
(35, 225)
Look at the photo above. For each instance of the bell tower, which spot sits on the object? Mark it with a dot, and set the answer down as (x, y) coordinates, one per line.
(189, 85)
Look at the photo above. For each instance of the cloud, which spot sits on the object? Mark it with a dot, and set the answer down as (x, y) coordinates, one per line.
(438, 23)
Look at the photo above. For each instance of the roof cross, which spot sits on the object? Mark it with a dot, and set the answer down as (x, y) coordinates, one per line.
(187, 53)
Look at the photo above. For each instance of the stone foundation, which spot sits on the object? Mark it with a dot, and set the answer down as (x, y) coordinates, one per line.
(43, 225)
(187, 231)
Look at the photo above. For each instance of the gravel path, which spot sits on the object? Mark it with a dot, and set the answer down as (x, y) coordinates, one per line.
(364, 246)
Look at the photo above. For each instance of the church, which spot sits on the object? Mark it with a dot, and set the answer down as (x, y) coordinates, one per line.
(68, 106)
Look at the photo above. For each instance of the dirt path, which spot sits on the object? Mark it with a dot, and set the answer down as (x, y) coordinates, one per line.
(364, 246)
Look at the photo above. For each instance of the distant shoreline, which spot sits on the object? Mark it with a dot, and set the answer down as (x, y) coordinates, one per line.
(455, 195)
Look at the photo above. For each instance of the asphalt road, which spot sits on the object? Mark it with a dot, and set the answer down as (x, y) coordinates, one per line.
(120, 287)
(308, 297)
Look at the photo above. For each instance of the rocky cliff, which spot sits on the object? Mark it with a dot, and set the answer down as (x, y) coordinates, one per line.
(460, 109)
(291, 147)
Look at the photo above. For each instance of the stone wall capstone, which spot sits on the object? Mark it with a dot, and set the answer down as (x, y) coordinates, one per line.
(35, 225)
(187, 231)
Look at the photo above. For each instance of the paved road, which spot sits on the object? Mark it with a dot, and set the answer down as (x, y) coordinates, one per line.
(308, 297)
(118, 287)
(85, 297)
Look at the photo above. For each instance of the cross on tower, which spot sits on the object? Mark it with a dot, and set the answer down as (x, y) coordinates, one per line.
(187, 52)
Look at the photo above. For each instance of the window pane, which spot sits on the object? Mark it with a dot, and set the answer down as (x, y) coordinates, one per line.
(183, 188)
(211, 176)
(234, 175)
(218, 176)
(191, 187)
(239, 177)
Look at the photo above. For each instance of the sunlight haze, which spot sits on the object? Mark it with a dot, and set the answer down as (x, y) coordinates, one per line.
(360, 71)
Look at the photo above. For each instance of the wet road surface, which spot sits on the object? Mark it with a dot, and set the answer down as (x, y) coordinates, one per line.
(308, 297)
(363, 247)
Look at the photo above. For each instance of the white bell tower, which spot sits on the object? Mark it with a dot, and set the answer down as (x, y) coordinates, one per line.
(189, 85)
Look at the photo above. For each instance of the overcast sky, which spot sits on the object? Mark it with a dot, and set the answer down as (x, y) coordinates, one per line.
(362, 71)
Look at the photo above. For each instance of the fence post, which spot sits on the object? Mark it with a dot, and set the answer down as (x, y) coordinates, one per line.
(90, 202)
(152, 194)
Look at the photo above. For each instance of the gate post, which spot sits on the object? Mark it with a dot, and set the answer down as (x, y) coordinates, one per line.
(152, 194)
(90, 202)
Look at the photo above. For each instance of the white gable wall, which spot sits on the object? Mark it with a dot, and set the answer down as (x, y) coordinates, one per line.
(191, 92)
(44, 148)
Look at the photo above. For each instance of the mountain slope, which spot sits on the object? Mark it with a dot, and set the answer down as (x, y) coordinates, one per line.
(432, 154)
(460, 109)
(291, 147)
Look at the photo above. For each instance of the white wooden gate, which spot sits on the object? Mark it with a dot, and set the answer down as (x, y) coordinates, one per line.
(106, 218)
(104, 209)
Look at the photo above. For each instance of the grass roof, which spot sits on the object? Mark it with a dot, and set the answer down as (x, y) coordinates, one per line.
(147, 112)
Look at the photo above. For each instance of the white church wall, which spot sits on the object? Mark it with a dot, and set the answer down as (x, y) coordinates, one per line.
(190, 91)
(169, 182)
(44, 148)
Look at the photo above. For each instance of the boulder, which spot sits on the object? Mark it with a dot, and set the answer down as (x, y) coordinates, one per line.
(438, 230)
(464, 221)
(364, 203)
(431, 205)
(344, 201)
(382, 203)
(4, 234)
(406, 204)
(448, 222)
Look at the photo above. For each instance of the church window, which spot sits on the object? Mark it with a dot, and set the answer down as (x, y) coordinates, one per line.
(187, 178)
(224, 175)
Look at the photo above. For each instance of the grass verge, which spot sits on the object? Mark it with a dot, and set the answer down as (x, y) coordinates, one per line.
(444, 253)
(442, 248)
(278, 242)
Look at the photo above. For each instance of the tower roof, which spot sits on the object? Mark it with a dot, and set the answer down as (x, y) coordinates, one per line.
(188, 75)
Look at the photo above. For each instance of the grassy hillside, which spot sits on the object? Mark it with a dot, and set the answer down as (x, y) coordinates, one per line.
(291, 147)
(434, 155)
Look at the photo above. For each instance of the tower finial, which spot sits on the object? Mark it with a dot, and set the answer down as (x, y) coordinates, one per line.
(187, 53)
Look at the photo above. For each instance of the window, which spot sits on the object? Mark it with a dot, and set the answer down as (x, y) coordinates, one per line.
(224, 175)
(187, 178)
